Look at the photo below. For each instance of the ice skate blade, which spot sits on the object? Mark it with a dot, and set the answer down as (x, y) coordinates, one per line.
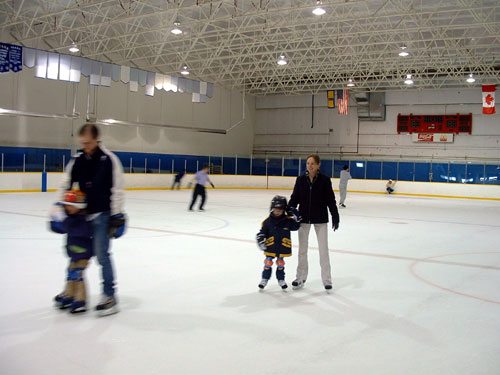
(110, 311)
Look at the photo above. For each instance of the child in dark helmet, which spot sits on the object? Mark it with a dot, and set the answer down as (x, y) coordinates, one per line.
(275, 240)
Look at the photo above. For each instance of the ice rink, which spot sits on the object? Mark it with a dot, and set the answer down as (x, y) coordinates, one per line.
(416, 291)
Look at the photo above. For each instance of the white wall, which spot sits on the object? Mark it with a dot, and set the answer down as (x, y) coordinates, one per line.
(284, 125)
(10, 182)
(23, 91)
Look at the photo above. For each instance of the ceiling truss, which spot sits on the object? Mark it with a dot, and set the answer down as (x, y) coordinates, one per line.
(236, 43)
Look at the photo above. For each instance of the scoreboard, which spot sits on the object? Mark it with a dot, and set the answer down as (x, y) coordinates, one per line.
(435, 123)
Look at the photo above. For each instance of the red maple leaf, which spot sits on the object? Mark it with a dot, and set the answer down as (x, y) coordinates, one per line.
(489, 99)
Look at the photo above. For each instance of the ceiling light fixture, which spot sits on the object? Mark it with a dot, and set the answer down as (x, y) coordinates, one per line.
(282, 60)
(176, 29)
(74, 48)
(408, 80)
(403, 53)
(318, 11)
(185, 70)
(471, 79)
(351, 83)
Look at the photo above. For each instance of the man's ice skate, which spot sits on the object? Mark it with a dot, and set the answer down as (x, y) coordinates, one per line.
(328, 286)
(282, 284)
(297, 284)
(263, 283)
(107, 306)
(78, 307)
(63, 302)
(59, 297)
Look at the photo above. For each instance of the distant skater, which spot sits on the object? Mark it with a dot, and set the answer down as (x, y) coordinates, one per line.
(389, 187)
(177, 179)
(201, 178)
(344, 177)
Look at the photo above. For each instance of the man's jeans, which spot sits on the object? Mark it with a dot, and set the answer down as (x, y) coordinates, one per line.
(101, 250)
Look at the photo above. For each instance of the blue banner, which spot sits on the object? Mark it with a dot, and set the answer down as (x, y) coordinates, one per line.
(11, 58)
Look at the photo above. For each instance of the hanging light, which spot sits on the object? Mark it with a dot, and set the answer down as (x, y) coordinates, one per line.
(282, 60)
(471, 79)
(185, 70)
(176, 29)
(403, 53)
(74, 48)
(408, 80)
(318, 11)
(351, 83)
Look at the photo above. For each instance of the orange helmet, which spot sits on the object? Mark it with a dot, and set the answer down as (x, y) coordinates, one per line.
(75, 198)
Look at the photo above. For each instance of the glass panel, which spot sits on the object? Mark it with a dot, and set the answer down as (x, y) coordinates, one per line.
(229, 165)
(405, 172)
(124, 157)
(303, 163)
(138, 163)
(12, 160)
(152, 163)
(274, 167)
(216, 164)
(475, 173)
(165, 164)
(422, 171)
(259, 166)
(439, 172)
(243, 165)
(389, 170)
(357, 169)
(492, 174)
(374, 170)
(291, 167)
(457, 173)
(34, 160)
(326, 167)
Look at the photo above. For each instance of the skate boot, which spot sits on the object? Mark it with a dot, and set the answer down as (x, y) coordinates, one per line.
(58, 299)
(297, 284)
(282, 284)
(107, 306)
(78, 307)
(263, 283)
(64, 302)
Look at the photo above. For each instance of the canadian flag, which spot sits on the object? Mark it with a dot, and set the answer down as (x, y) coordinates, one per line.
(489, 99)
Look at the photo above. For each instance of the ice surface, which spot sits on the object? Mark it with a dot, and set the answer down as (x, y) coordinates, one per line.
(416, 291)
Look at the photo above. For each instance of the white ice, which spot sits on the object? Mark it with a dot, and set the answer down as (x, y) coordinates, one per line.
(416, 291)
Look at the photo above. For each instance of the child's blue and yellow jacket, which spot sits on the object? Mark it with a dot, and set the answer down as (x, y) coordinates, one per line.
(276, 231)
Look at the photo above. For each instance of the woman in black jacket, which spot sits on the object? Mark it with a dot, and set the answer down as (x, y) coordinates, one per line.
(314, 195)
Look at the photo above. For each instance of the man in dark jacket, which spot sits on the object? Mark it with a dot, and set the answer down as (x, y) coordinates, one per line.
(99, 174)
(314, 195)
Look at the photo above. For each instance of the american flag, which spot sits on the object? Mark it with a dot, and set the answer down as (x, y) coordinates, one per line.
(343, 102)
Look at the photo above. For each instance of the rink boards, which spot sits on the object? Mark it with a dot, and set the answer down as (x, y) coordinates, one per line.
(36, 182)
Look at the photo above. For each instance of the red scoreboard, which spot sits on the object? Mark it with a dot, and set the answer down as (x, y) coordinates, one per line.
(435, 123)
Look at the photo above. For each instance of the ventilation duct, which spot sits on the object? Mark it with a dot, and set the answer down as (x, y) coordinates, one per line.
(371, 106)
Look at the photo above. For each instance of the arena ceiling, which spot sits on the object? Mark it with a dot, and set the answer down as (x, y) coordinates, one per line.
(237, 43)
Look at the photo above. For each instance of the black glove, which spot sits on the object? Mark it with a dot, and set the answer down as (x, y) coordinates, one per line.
(261, 241)
(294, 214)
(335, 221)
(116, 227)
(212, 185)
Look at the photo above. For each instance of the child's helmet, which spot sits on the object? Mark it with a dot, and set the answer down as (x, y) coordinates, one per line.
(278, 202)
(75, 198)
